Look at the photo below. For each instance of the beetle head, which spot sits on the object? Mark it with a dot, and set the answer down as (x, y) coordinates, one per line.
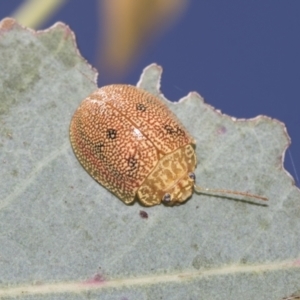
(180, 191)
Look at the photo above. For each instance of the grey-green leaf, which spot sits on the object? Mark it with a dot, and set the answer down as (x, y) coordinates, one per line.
(64, 236)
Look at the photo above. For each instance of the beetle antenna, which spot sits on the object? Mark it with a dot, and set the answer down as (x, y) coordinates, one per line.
(202, 190)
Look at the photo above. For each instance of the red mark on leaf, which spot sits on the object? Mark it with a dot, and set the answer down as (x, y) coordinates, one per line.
(221, 130)
(96, 280)
(143, 214)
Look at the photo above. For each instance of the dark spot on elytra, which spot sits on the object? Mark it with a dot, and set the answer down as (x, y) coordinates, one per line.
(179, 131)
(99, 150)
(132, 163)
(99, 147)
(133, 166)
(169, 129)
(175, 131)
(141, 107)
(111, 133)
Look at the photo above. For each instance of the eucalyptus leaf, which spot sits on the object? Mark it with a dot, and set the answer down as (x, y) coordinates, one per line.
(64, 236)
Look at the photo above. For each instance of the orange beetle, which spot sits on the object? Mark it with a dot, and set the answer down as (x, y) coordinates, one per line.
(129, 141)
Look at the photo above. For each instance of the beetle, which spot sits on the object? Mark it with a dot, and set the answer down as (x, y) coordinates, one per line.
(130, 142)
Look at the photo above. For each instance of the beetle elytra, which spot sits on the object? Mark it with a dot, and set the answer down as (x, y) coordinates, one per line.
(130, 142)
